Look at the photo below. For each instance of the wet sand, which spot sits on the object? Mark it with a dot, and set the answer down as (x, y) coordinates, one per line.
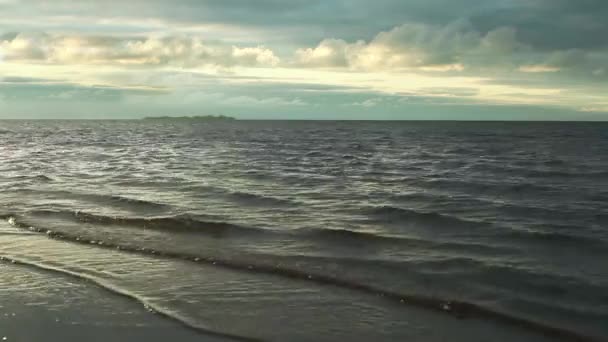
(39, 306)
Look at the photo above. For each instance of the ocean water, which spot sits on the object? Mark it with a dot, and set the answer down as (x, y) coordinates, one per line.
(325, 231)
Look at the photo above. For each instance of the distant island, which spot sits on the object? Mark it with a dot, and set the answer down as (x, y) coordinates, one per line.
(192, 118)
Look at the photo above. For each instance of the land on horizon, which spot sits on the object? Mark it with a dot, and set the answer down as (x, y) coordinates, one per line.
(194, 118)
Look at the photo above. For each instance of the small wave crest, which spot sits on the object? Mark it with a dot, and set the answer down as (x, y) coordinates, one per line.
(34, 178)
(260, 200)
(135, 201)
(105, 199)
(503, 189)
(401, 215)
(565, 239)
(348, 236)
(179, 223)
(42, 178)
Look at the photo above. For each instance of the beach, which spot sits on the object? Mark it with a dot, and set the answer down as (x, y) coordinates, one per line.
(49, 300)
(38, 305)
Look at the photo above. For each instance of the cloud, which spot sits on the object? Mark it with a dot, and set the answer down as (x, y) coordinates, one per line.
(550, 25)
(448, 36)
(368, 103)
(593, 109)
(587, 63)
(186, 52)
(453, 47)
(29, 89)
(538, 68)
(450, 92)
(544, 24)
(220, 95)
(301, 18)
(456, 48)
(26, 47)
(253, 101)
(253, 56)
(18, 79)
(329, 53)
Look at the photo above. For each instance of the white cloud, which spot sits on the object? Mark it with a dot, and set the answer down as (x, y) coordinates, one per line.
(595, 109)
(26, 47)
(452, 48)
(253, 101)
(202, 98)
(255, 56)
(599, 72)
(187, 52)
(416, 46)
(64, 95)
(329, 53)
(443, 68)
(368, 103)
(538, 68)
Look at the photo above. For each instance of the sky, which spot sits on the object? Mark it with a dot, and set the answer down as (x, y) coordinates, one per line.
(305, 59)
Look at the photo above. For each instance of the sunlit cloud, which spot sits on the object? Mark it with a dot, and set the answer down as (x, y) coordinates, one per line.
(538, 68)
(108, 50)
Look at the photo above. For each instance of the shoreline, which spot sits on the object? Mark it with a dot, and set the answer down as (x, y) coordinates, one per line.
(38, 305)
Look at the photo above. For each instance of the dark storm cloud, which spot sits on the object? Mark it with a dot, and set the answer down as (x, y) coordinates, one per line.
(547, 24)
(552, 24)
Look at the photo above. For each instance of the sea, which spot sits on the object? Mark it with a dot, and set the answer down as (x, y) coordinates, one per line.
(321, 230)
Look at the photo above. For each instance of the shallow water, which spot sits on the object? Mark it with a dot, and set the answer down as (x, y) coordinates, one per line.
(42, 306)
(322, 230)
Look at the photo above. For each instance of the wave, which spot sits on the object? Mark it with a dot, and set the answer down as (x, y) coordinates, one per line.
(165, 182)
(168, 314)
(459, 309)
(262, 200)
(257, 174)
(599, 197)
(179, 223)
(556, 237)
(347, 236)
(36, 178)
(101, 198)
(242, 197)
(475, 189)
(315, 154)
(196, 225)
(191, 224)
(392, 214)
(555, 162)
(122, 199)
(553, 216)
(42, 178)
(532, 171)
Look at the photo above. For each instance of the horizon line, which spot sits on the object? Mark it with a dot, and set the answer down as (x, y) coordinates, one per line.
(314, 120)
